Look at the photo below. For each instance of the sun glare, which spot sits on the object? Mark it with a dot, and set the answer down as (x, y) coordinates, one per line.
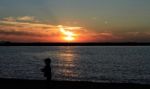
(68, 35)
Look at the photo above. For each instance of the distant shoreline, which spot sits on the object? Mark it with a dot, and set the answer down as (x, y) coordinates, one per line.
(75, 44)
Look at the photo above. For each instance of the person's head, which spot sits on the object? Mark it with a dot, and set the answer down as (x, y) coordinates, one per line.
(47, 61)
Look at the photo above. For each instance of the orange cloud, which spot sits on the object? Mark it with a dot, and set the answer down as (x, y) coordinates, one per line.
(24, 29)
(50, 33)
(89, 36)
(42, 32)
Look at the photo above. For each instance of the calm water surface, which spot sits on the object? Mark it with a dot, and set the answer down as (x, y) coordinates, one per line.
(76, 63)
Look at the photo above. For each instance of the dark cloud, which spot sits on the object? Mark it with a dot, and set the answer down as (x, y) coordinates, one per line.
(20, 33)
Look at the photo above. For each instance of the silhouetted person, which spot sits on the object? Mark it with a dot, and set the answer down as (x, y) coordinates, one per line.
(47, 69)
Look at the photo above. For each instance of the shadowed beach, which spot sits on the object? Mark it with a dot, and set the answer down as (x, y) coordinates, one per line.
(42, 84)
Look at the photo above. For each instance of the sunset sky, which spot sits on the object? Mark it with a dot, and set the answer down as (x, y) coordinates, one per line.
(75, 20)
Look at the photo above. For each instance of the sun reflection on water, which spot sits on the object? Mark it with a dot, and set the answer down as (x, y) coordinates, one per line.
(67, 63)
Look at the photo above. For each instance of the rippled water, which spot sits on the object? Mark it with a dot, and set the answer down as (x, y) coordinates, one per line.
(76, 63)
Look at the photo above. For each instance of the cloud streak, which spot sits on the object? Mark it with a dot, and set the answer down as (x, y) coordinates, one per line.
(11, 27)
(25, 28)
(23, 18)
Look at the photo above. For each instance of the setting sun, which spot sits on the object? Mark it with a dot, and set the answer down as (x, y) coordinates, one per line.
(68, 35)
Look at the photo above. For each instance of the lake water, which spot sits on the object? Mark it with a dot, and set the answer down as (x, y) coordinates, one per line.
(117, 64)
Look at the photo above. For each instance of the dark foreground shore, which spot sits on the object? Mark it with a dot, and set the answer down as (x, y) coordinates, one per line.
(42, 84)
